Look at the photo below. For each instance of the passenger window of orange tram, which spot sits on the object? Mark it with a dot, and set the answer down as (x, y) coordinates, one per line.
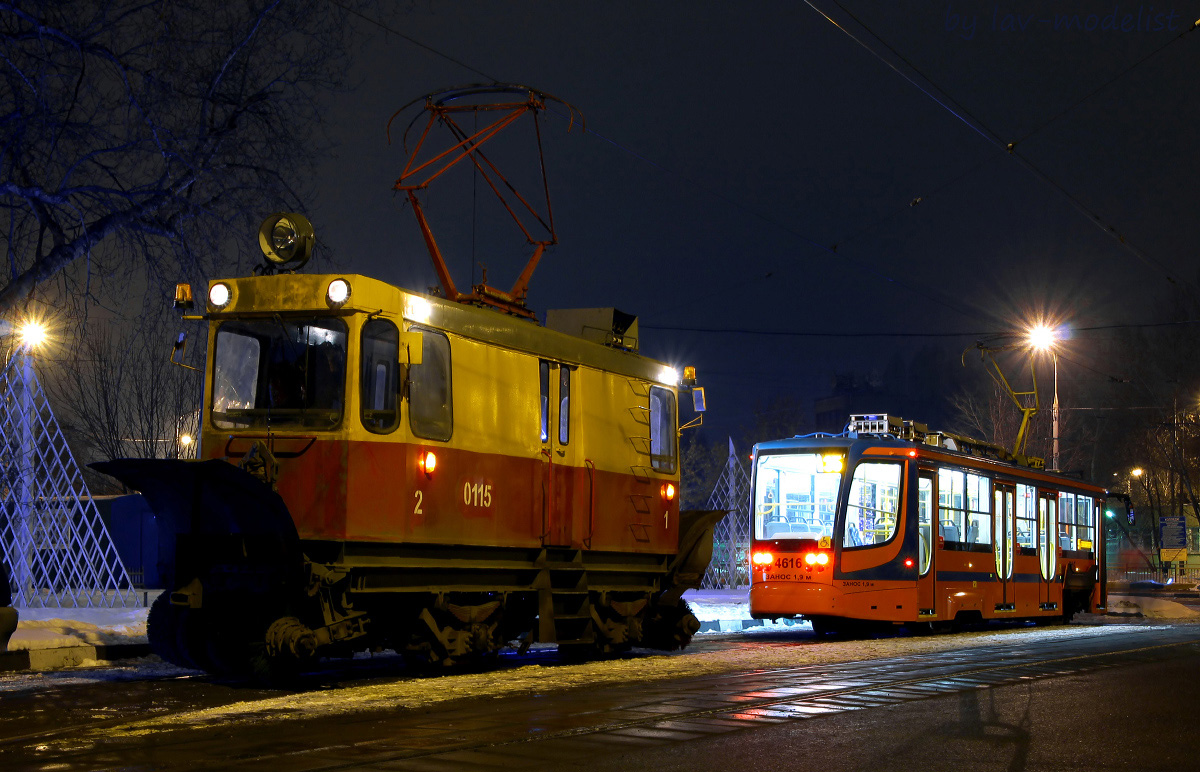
(952, 506)
(872, 507)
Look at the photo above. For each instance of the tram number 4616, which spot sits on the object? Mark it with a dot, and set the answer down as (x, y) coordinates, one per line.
(477, 494)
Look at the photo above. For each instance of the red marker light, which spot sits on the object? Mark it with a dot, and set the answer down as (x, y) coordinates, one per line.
(912, 454)
(810, 558)
(762, 558)
(908, 562)
(822, 559)
(427, 462)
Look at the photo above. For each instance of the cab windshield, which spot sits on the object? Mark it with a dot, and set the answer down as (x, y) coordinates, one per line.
(279, 373)
(795, 495)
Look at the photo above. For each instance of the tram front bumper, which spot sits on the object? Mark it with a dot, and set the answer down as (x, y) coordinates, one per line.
(789, 599)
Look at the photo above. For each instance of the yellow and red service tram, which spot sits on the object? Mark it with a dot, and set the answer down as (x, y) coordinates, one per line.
(441, 476)
(383, 468)
(891, 524)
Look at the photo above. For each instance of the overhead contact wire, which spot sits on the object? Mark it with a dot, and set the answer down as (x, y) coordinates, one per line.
(833, 250)
(984, 131)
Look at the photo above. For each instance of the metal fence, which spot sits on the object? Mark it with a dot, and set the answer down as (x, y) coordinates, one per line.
(57, 549)
(1162, 576)
(729, 568)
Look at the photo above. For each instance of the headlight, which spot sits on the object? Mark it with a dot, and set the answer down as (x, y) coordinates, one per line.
(669, 376)
(219, 295)
(338, 293)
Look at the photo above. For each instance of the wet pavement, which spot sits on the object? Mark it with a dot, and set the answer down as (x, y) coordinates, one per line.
(164, 723)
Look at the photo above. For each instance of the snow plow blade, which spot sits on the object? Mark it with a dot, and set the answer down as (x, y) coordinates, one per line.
(205, 497)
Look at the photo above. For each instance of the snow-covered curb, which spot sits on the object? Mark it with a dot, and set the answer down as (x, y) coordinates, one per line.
(56, 628)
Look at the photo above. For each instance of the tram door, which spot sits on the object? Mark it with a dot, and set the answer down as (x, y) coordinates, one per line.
(1047, 544)
(1004, 532)
(557, 446)
(926, 516)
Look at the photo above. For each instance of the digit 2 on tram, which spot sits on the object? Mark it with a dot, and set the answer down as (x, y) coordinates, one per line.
(889, 524)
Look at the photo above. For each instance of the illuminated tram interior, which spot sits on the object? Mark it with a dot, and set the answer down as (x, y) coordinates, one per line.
(917, 527)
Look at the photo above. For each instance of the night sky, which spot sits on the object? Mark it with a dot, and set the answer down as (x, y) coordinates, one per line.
(732, 145)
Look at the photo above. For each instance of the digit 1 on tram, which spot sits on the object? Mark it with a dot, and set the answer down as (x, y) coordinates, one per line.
(889, 524)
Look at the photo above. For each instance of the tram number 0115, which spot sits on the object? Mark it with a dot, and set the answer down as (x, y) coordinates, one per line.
(477, 494)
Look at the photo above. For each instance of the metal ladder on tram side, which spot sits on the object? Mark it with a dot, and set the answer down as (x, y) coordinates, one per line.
(564, 602)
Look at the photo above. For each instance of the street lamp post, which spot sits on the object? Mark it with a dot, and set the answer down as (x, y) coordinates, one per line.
(30, 335)
(1054, 414)
(1045, 338)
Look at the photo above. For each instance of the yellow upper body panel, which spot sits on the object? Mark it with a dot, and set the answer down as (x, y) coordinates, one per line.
(496, 403)
(298, 293)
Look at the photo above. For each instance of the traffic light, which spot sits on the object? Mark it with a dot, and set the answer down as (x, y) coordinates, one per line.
(1132, 516)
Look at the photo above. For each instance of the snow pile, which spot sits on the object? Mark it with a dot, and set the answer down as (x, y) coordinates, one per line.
(1151, 608)
(56, 628)
(719, 605)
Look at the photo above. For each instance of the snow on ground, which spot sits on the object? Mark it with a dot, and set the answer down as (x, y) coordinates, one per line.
(1150, 608)
(53, 628)
(784, 647)
(716, 605)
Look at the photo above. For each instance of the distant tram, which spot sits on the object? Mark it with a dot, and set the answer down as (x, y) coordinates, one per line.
(889, 524)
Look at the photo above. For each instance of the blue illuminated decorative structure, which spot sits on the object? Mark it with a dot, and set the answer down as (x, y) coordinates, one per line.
(57, 548)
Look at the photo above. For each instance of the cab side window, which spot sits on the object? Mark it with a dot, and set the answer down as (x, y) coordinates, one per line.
(663, 449)
(430, 403)
(380, 355)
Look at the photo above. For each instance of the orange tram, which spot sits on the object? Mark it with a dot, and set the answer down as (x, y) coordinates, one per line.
(889, 524)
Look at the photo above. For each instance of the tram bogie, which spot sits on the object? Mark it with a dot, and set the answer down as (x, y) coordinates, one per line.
(889, 523)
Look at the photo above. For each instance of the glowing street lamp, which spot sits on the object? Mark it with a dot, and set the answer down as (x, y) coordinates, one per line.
(1044, 338)
(32, 334)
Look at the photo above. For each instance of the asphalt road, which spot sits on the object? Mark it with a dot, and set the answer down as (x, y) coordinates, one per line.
(1093, 698)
